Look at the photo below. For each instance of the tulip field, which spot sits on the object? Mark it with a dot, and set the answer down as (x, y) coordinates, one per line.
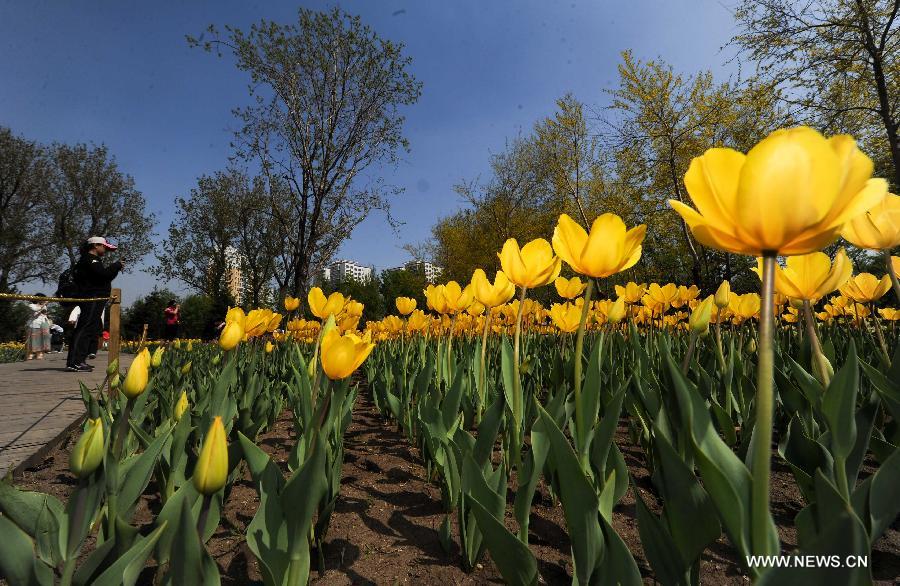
(635, 431)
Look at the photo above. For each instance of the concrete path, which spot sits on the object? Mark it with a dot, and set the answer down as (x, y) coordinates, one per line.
(39, 399)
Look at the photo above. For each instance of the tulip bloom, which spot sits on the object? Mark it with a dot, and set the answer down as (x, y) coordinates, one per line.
(569, 288)
(211, 470)
(631, 292)
(405, 305)
(291, 303)
(744, 306)
(699, 320)
(231, 335)
(492, 294)
(181, 406)
(566, 316)
(533, 265)
(156, 360)
(791, 194)
(322, 306)
(866, 287)
(616, 313)
(456, 297)
(607, 250)
(235, 314)
(88, 452)
(138, 375)
(811, 276)
(878, 228)
(662, 296)
(342, 355)
(722, 295)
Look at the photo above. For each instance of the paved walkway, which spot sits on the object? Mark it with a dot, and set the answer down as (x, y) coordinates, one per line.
(38, 400)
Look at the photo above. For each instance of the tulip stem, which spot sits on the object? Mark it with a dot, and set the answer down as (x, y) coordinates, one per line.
(112, 479)
(580, 417)
(204, 514)
(890, 271)
(515, 440)
(761, 521)
(819, 360)
(482, 375)
(686, 363)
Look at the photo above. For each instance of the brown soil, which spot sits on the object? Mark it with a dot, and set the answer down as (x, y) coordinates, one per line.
(385, 526)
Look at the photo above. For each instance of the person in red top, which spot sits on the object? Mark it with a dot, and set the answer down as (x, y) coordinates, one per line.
(172, 320)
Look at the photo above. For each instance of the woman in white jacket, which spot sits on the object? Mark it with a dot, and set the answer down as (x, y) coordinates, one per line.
(38, 338)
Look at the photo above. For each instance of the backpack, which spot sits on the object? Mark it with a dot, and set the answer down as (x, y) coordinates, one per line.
(68, 287)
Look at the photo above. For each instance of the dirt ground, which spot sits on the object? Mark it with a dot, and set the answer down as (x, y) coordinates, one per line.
(385, 526)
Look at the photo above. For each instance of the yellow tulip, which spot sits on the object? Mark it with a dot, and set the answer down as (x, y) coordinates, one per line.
(417, 321)
(211, 470)
(566, 316)
(533, 265)
(322, 306)
(181, 406)
(744, 306)
(269, 347)
(256, 322)
(890, 314)
(664, 295)
(88, 452)
(609, 248)
(569, 288)
(811, 276)
(492, 294)
(457, 297)
(791, 194)
(686, 295)
(156, 360)
(236, 314)
(475, 309)
(274, 322)
(138, 375)
(699, 320)
(631, 292)
(231, 335)
(878, 228)
(291, 303)
(341, 355)
(722, 295)
(405, 305)
(434, 298)
(617, 311)
(866, 287)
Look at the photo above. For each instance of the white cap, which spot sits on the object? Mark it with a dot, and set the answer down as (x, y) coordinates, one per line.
(101, 240)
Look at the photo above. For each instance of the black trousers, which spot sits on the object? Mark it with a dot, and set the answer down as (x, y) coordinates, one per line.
(86, 333)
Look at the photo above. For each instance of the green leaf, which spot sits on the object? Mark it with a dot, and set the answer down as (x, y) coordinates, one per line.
(136, 473)
(126, 569)
(190, 563)
(17, 559)
(839, 406)
(514, 560)
(884, 506)
(659, 547)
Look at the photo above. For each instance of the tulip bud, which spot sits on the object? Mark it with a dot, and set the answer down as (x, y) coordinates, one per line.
(190, 346)
(751, 346)
(217, 360)
(269, 347)
(157, 357)
(88, 452)
(231, 335)
(176, 344)
(211, 470)
(186, 367)
(617, 311)
(722, 295)
(181, 406)
(699, 320)
(138, 375)
(113, 367)
(115, 381)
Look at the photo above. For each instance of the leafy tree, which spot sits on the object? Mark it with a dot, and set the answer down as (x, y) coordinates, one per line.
(91, 196)
(147, 310)
(198, 314)
(201, 246)
(26, 248)
(836, 62)
(402, 284)
(327, 94)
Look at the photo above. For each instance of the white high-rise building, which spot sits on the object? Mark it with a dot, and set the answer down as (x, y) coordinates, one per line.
(430, 271)
(234, 276)
(343, 270)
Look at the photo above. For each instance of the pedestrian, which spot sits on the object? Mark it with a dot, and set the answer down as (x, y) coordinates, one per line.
(173, 319)
(37, 341)
(94, 279)
(57, 338)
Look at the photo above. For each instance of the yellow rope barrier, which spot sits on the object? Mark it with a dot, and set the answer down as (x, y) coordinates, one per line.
(17, 297)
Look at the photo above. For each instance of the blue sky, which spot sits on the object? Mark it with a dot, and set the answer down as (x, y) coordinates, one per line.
(121, 73)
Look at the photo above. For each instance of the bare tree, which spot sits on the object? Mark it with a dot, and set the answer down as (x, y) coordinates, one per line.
(326, 114)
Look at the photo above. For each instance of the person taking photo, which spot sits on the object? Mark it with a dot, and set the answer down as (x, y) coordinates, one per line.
(94, 279)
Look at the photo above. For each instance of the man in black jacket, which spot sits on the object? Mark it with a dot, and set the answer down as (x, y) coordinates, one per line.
(94, 279)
